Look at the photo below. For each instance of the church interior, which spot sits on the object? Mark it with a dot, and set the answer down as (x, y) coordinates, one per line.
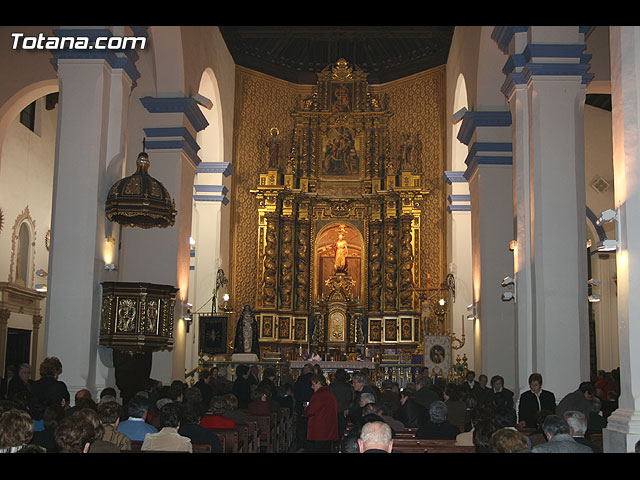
(379, 198)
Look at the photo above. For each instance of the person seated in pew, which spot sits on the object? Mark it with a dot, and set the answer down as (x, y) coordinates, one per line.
(482, 433)
(190, 416)
(507, 440)
(436, 426)
(375, 437)
(477, 414)
(214, 418)
(263, 403)
(231, 410)
(168, 439)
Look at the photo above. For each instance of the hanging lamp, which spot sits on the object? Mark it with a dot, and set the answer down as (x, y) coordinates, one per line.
(140, 200)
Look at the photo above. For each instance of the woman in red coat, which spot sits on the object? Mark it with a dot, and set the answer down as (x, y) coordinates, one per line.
(322, 414)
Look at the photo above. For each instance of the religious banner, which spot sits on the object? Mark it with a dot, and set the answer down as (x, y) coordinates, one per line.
(213, 334)
(437, 354)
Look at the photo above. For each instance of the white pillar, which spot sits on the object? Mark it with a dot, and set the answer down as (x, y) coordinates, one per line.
(489, 174)
(623, 428)
(210, 198)
(546, 78)
(162, 255)
(94, 94)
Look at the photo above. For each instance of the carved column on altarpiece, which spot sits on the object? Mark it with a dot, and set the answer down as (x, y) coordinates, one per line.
(302, 242)
(390, 265)
(286, 263)
(375, 266)
(405, 266)
(268, 282)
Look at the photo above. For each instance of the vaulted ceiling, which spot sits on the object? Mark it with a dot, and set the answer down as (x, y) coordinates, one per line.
(297, 53)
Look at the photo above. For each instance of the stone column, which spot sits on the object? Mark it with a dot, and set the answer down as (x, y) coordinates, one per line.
(162, 255)
(623, 428)
(546, 84)
(4, 328)
(489, 174)
(210, 198)
(90, 126)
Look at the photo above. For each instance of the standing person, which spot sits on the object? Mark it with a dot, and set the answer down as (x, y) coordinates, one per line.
(6, 381)
(322, 415)
(22, 383)
(344, 395)
(497, 386)
(242, 387)
(204, 385)
(49, 390)
(302, 392)
(360, 386)
(534, 400)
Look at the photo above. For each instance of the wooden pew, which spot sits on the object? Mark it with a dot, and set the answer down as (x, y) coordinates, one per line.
(416, 445)
(136, 447)
(267, 427)
(232, 443)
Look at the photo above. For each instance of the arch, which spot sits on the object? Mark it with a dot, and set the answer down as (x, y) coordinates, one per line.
(211, 138)
(19, 100)
(168, 58)
(459, 150)
(491, 60)
(358, 273)
(17, 249)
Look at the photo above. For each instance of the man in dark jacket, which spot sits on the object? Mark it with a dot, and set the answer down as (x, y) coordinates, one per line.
(204, 385)
(344, 395)
(533, 401)
(579, 400)
(424, 395)
(302, 392)
(410, 412)
(242, 387)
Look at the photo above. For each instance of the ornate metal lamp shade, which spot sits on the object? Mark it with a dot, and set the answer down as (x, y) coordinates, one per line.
(140, 200)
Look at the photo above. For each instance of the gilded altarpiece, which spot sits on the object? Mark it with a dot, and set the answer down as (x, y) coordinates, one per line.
(338, 204)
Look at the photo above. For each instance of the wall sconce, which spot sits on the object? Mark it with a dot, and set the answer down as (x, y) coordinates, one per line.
(509, 282)
(187, 319)
(110, 266)
(607, 245)
(606, 217)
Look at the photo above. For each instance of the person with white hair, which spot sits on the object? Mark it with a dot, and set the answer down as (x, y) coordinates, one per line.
(375, 437)
(436, 426)
(578, 427)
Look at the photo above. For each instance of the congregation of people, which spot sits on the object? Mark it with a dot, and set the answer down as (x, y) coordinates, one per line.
(330, 412)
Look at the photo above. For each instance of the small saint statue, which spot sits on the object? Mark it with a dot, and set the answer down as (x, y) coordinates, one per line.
(406, 146)
(273, 145)
(246, 340)
(341, 249)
